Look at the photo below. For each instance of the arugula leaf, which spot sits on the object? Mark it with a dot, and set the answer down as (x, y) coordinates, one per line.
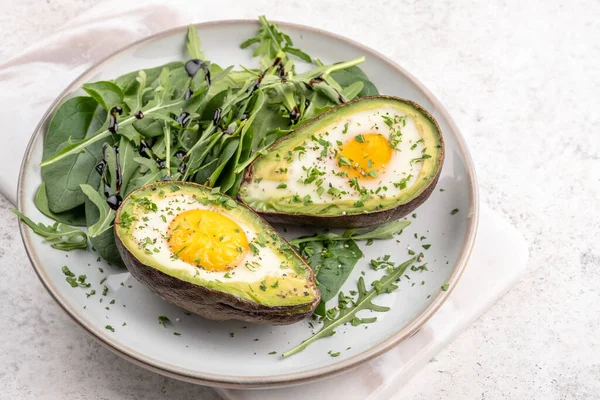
(73, 217)
(107, 215)
(61, 236)
(272, 42)
(348, 308)
(104, 243)
(193, 45)
(385, 231)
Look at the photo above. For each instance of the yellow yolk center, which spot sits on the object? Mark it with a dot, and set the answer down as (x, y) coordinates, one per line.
(368, 154)
(207, 239)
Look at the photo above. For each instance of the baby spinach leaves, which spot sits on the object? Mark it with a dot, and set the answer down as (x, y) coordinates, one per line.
(73, 217)
(76, 119)
(332, 263)
(193, 121)
(105, 93)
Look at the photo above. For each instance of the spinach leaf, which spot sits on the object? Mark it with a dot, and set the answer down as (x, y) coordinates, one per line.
(332, 262)
(386, 231)
(76, 119)
(348, 308)
(106, 214)
(105, 93)
(349, 76)
(73, 217)
(61, 236)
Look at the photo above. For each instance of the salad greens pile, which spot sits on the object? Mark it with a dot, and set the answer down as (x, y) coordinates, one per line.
(186, 121)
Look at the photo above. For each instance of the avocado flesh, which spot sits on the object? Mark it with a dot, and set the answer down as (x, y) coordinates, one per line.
(282, 298)
(263, 175)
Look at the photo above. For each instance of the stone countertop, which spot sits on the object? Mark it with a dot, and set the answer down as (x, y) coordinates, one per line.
(522, 81)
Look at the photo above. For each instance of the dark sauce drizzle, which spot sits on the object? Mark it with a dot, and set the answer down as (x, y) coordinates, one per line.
(113, 200)
(144, 149)
(139, 114)
(113, 125)
(318, 79)
(295, 115)
(118, 169)
(183, 119)
(261, 76)
(217, 116)
(192, 67)
(100, 167)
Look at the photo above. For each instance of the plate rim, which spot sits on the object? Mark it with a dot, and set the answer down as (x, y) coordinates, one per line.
(281, 380)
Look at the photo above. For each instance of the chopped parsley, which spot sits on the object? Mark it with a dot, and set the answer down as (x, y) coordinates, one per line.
(163, 320)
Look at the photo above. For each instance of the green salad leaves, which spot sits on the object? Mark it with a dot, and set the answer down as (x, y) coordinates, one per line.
(193, 121)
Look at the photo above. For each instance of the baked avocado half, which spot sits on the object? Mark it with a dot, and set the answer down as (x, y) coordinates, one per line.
(206, 253)
(360, 164)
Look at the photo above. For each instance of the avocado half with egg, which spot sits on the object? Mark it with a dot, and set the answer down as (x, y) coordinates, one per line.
(359, 164)
(206, 253)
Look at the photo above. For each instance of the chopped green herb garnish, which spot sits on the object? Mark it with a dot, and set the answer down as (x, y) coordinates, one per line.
(163, 320)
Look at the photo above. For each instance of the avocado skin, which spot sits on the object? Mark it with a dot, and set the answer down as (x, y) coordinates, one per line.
(209, 303)
(366, 219)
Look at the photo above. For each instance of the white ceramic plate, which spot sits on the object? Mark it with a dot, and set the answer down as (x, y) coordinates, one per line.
(236, 354)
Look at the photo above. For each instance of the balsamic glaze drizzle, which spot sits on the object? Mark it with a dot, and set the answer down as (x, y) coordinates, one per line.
(113, 125)
(100, 167)
(183, 119)
(118, 169)
(295, 114)
(217, 116)
(144, 149)
(139, 114)
(113, 200)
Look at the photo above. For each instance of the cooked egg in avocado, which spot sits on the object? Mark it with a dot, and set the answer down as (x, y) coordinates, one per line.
(377, 155)
(205, 252)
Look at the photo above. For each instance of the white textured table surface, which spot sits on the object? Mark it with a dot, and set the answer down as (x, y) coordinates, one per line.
(522, 81)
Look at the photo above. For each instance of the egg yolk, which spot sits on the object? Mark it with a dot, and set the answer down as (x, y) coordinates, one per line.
(207, 239)
(368, 154)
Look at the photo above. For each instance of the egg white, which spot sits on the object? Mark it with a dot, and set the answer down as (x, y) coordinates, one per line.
(156, 229)
(368, 121)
